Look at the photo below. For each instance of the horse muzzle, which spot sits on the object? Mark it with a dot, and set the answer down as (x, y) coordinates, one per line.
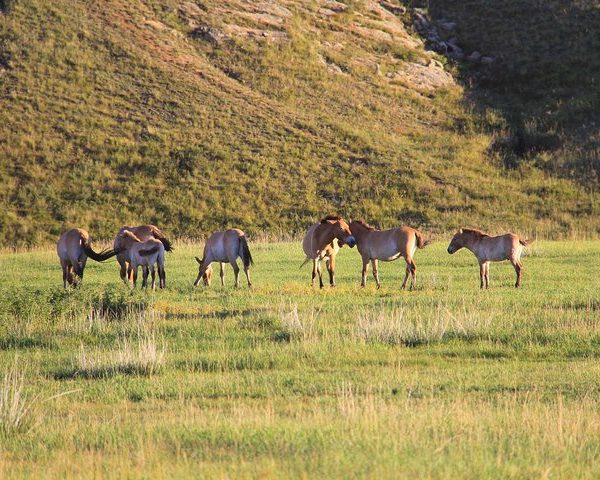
(350, 241)
(451, 250)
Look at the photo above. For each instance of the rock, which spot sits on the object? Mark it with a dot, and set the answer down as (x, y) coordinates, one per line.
(334, 6)
(487, 60)
(474, 57)
(210, 34)
(424, 78)
(447, 25)
(395, 9)
(435, 63)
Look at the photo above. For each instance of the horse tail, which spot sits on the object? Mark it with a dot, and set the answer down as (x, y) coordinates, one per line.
(421, 242)
(164, 240)
(98, 256)
(525, 243)
(245, 252)
(149, 251)
(306, 260)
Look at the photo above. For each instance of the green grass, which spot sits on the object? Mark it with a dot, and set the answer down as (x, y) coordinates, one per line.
(288, 381)
(119, 114)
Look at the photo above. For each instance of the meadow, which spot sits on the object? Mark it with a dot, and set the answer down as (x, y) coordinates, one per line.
(287, 381)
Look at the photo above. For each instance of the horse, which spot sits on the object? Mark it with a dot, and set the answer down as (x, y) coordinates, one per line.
(323, 241)
(145, 253)
(74, 248)
(225, 247)
(387, 245)
(490, 249)
(141, 232)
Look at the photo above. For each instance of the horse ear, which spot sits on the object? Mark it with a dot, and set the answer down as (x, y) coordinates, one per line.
(198, 260)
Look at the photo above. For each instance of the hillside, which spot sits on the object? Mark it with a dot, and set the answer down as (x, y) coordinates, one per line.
(196, 115)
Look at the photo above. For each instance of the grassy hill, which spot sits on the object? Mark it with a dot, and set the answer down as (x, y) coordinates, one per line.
(201, 114)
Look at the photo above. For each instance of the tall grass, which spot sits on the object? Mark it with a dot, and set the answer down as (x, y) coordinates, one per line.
(409, 326)
(15, 404)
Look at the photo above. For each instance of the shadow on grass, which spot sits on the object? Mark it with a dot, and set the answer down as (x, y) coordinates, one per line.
(225, 365)
(13, 343)
(103, 372)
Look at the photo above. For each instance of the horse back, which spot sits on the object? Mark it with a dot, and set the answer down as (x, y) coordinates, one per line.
(71, 243)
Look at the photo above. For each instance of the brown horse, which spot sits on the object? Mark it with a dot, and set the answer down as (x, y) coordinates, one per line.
(225, 247)
(387, 245)
(490, 249)
(74, 248)
(143, 233)
(147, 254)
(323, 240)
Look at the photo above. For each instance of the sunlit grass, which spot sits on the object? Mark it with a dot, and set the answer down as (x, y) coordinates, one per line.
(289, 380)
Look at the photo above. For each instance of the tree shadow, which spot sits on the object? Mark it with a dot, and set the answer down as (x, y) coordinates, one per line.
(543, 83)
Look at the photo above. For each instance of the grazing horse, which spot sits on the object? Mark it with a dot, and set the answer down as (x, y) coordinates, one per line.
(74, 248)
(323, 240)
(387, 245)
(145, 253)
(490, 249)
(225, 247)
(141, 232)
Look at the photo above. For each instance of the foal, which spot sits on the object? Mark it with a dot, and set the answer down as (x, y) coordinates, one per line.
(490, 249)
(74, 248)
(147, 254)
(323, 240)
(225, 247)
(387, 245)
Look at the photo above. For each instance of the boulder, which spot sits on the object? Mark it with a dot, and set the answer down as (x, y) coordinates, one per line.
(474, 57)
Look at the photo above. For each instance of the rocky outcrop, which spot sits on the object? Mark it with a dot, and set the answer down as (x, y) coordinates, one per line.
(441, 43)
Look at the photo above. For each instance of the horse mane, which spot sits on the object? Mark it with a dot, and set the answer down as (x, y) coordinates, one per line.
(474, 231)
(365, 225)
(131, 235)
(331, 218)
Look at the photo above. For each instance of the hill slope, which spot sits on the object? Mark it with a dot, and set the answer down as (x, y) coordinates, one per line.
(264, 115)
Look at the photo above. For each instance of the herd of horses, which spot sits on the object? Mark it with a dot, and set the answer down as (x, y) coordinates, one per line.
(145, 246)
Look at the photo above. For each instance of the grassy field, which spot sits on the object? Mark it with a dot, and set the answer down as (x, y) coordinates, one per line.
(286, 381)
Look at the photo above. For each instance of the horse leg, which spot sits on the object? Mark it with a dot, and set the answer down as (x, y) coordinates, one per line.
(518, 269)
(331, 269)
(247, 272)
(162, 273)
(320, 272)
(365, 269)
(134, 275)
(222, 273)
(145, 272)
(375, 265)
(123, 271)
(481, 275)
(236, 273)
(65, 271)
(487, 275)
(70, 274)
(130, 272)
(407, 273)
(153, 273)
(314, 272)
(413, 272)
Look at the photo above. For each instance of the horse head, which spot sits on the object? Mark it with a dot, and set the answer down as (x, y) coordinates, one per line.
(340, 230)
